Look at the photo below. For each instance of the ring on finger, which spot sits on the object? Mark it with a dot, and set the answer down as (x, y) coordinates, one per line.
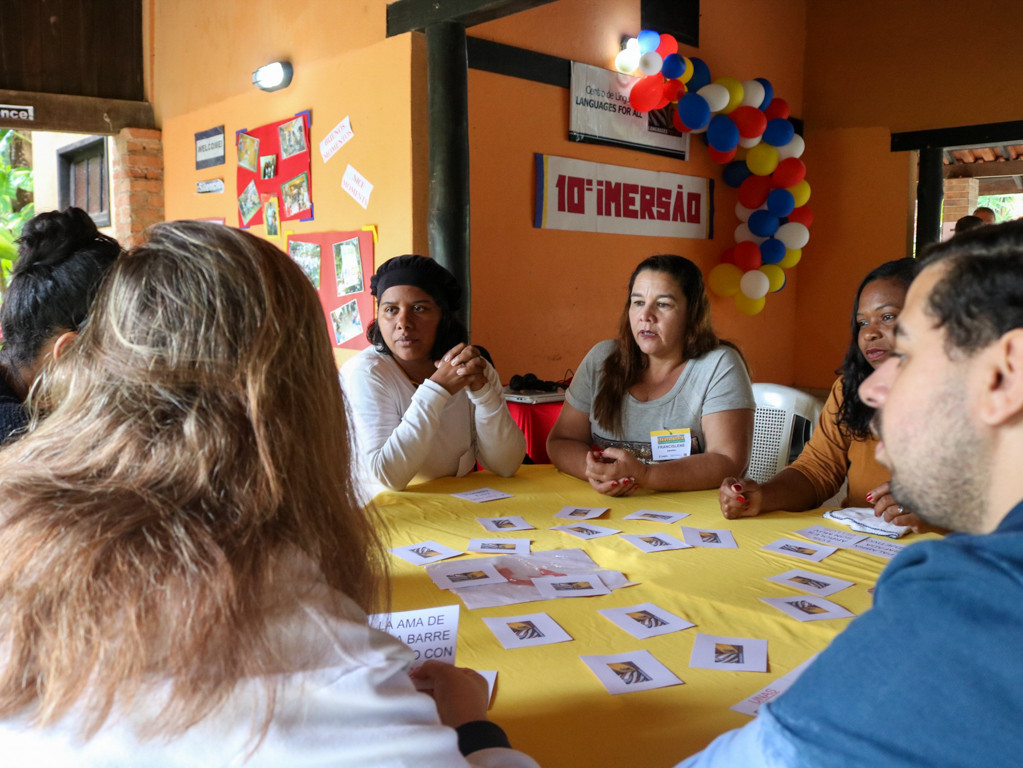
(900, 509)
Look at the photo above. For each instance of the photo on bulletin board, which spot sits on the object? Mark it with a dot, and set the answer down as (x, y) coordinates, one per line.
(347, 323)
(271, 215)
(292, 135)
(267, 166)
(348, 266)
(336, 262)
(276, 158)
(307, 256)
(248, 152)
(248, 203)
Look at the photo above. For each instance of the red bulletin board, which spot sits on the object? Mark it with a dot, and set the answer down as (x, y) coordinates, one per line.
(332, 271)
(276, 158)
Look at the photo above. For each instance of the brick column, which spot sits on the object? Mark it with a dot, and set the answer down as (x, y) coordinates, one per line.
(137, 169)
(960, 199)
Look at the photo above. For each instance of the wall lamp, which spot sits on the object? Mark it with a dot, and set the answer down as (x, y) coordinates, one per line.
(273, 76)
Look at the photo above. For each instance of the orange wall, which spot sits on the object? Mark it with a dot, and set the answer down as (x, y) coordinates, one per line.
(873, 68)
(542, 298)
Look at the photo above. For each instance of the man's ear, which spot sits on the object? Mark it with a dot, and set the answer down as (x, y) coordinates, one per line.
(63, 343)
(1002, 398)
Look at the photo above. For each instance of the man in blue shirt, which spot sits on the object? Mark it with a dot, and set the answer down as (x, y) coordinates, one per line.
(932, 675)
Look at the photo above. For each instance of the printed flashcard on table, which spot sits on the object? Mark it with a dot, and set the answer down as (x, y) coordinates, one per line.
(800, 549)
(503, 524)
(490, 675)
(586, 531)
(751, 705)
(570, 585)
(655, 542)
(657, 516)
(628, 672)
(464, 573)
(645, 620)
(425, 552)
(580, 513)
(709, 537)
(830, 536)
(527, 630)
(880, 547)
(431, 633)
(500, 546)
(732, 654)
(481, 495)
(808, 581)
(809, 608)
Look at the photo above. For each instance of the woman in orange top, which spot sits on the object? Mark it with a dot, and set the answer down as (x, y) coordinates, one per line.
(842, 445)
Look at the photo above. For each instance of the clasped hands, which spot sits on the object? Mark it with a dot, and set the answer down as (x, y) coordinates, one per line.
(614, 472)
(461, 366)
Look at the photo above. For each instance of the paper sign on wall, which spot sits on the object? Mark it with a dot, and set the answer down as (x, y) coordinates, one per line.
(336, 139)
(356, 185)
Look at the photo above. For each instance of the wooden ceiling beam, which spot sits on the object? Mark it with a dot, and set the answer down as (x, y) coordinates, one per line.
(76, 114)
(416, 15)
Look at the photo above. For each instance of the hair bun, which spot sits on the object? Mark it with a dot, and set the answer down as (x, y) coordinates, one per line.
(50, 238)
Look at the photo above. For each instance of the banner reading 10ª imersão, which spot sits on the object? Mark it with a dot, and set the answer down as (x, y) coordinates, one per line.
(595, 197)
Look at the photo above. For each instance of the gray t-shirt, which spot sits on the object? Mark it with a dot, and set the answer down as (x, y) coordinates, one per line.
(715, 382)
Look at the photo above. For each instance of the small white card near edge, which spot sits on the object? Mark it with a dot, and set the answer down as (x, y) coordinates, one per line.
(504, 524)
(480, 495)
(808, 608)
(830, 536)
(750, 706)
(499, 546)
(657, 516)
(709, 537)
(808, 581)
(645, 620)
(628, 672)
(655, 542)
(526, 630)
(580, 513)
(425, 552)
(800, 549)
(730, 654)
(570, 585)
(465, 573)
(586, 531)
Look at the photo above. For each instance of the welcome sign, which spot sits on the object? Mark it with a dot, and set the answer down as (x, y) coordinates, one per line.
(594, 197)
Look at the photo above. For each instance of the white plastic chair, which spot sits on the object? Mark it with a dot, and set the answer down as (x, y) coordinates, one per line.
(773, 423)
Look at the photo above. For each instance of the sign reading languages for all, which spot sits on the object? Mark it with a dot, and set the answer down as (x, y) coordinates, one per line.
(594, 197)
(601, 113)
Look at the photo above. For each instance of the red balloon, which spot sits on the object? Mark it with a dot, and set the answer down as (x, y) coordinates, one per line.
(750, 121)
(673, 90)
(722, 157)
(789, 172)
(667, 46)
(803, 215)
(646, 93)
(777, 108)
(747, 256)
(728, 256)
(676, 120)
(754, 190)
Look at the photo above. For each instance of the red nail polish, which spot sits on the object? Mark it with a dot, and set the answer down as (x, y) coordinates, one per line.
(736, 487)
(614, 483)
(742, 499)
(870, 497)
(625, 481)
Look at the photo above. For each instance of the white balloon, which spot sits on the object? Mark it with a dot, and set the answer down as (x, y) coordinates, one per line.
(627, 61)
(650, 63)
(749, 142)
(793, 149)
(793, 234)
(742, 212)
(742, 234)
(716, 95)
(752, 94)
(754, 284)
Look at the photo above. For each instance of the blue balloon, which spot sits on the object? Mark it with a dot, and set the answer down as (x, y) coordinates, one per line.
(778, 132)
(693, 111)
(722, 133)
(768, 92)
(771, 250)
(762, 224)
(780, 203)
(701, 74)
(673, 66)
(735, 173)
(649, 40)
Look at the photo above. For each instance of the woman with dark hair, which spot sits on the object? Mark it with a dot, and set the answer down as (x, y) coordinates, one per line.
(186, 571)
(62, 258)
(666, 405)
(842, 445)
(425, 403)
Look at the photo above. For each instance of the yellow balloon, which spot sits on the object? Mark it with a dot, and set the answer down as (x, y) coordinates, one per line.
(747, 305)
(688, 72)
(801, 192)
(724, 279)
(735, 93)
(762, 159)
(775, 277)
(792, 257)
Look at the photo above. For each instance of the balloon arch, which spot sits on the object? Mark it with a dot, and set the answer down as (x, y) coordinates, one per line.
(748, 132)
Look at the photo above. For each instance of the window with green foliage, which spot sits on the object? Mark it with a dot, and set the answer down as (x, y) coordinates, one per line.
(16, 206)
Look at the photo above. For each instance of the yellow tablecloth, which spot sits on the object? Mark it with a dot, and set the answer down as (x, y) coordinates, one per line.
(547, 700)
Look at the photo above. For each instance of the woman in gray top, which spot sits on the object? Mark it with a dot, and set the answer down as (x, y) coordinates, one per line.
(666, 405)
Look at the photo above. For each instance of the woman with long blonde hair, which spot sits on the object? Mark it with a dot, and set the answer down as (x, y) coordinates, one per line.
(186, 571)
